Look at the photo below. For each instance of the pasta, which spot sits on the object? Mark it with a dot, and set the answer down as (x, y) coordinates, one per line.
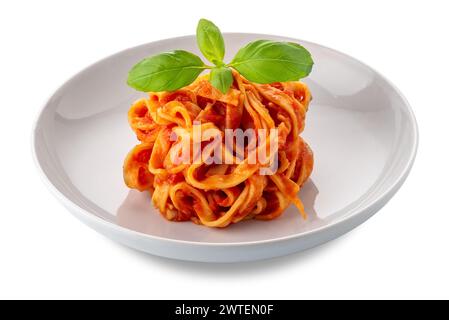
(217, 194)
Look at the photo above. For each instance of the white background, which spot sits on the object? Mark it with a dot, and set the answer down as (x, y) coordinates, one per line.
(402, 252)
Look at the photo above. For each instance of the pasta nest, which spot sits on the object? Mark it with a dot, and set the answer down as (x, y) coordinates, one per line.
(219, 194)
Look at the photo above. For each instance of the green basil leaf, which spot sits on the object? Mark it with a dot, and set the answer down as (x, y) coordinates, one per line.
(210, 41)
(221, 78)
(167, 71)
(266, 61)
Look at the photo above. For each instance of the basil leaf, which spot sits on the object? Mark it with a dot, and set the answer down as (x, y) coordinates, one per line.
(167, 71)
(266, 61)
(221, 78)
(210, 41)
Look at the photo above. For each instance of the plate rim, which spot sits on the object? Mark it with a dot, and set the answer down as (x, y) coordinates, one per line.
(381, 199)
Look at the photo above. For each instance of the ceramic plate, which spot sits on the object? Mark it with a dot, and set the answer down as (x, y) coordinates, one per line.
(361, 129)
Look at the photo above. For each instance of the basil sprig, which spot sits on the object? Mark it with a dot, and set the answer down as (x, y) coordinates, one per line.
(265, 61)
(261, 61)
(221, 78)
(210, 41)
(167, 71)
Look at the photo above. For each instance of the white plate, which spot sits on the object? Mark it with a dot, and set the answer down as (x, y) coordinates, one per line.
(361, 129)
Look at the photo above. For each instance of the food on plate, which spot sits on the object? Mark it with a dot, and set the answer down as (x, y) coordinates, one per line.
(225, 146)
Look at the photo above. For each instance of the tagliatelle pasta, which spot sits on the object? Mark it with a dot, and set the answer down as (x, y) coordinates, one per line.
(218, 193)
